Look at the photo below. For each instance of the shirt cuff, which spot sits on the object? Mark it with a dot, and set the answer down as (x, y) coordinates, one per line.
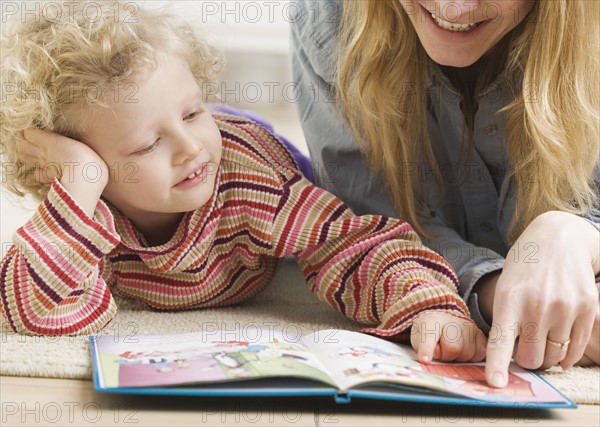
(473, 304)
(471, 274)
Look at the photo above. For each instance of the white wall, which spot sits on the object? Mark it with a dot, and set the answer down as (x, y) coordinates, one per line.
(254, 38)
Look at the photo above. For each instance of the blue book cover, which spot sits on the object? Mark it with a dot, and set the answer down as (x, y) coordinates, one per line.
(336, 363)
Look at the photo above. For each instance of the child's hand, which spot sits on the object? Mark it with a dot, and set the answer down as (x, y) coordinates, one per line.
(442, 336)
(56, 156)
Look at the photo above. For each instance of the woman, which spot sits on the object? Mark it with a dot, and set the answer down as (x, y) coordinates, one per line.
(477, 122)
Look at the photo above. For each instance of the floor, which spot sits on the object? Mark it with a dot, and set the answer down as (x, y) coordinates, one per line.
(43, 401)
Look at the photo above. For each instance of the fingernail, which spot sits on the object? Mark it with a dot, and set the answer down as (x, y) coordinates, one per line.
(565, 367)
(425, 359)
(498, 379)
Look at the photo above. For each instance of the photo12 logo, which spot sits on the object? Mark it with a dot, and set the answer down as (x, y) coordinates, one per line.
(52, 11)
(61, 413)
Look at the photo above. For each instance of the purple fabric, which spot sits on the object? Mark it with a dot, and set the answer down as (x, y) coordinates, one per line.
(301, 159)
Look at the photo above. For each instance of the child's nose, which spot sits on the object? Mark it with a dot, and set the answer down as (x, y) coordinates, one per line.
(186, 149)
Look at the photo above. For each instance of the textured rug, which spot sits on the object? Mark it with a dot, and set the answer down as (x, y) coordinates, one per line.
(287, 304)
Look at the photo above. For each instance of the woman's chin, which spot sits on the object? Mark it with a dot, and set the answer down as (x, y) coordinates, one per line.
(449, 59)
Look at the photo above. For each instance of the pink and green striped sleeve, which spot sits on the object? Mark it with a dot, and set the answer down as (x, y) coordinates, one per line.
(371, 268)
(51, 277)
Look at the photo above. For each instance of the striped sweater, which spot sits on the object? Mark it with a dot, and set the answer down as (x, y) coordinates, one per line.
(63, 268)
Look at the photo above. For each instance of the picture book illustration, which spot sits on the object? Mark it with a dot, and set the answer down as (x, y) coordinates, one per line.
(341, 360)
(194, 359)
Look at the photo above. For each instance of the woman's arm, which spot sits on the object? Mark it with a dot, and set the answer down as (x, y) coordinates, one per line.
(338, 164)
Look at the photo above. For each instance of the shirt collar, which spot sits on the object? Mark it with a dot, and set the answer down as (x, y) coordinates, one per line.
(437, 79)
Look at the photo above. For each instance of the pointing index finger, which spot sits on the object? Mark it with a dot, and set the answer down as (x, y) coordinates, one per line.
(501, 343)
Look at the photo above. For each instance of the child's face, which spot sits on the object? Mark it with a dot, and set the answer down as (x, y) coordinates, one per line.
(153, 137)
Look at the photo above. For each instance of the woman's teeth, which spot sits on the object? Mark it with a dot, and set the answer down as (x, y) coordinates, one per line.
(453, 27)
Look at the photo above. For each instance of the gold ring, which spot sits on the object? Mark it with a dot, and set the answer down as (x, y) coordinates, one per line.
(562, 345)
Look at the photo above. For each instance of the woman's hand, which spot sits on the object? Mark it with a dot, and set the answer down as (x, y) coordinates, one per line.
(79, 168)
(442, 336)
(548, 300)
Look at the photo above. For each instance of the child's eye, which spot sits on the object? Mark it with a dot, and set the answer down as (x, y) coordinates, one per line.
(193, 115)
(148, 149)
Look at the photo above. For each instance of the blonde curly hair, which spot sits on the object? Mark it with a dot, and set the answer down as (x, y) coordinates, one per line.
(70, 57)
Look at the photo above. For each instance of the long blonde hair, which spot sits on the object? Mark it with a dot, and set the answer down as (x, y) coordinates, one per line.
(68, 58)
(552, 124)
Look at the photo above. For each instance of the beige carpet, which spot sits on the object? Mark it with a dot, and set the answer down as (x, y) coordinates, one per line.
(286, 304)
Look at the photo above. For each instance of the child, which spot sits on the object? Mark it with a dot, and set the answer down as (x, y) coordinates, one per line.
(147, 194)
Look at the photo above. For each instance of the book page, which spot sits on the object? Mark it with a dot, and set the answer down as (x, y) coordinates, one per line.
(468, 379)
(195, 358)
(354, 359)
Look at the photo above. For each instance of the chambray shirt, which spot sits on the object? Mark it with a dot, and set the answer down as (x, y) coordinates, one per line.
(471, 220)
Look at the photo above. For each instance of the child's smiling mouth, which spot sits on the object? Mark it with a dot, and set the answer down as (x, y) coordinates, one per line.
(194, 178)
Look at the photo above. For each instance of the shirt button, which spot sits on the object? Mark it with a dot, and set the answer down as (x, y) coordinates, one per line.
(491, 130)
(486, 226)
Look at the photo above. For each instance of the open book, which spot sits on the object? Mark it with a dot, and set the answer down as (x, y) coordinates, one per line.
(263, 362)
